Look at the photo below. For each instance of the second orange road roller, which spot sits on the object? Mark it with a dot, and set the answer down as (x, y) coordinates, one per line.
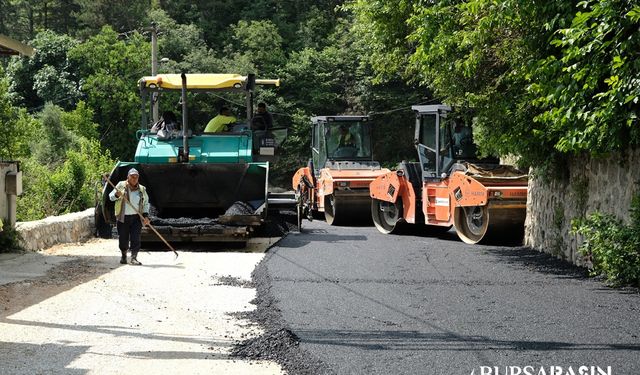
(336, 180)
(449, 185)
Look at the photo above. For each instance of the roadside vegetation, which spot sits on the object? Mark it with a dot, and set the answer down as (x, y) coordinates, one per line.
(612, 246)
(542, 80)
(9, 240)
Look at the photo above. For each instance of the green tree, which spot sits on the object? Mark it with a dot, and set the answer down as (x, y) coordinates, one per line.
(47, 76)
(6, 17)
(17, 128)
(314, 30)
(474, 54)
(258, 42)
(111, 68)
(51, 147)
(70, 186)
(80, 122)
(62, 18)
(215, 17)
(590, 91)
(183, 46)
(124, 16)
(61, 174)
(175, 40)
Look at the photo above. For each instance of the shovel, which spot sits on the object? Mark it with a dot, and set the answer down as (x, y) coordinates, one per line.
(142, 219)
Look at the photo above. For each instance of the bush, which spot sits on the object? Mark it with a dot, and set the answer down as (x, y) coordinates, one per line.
(612, 246)
(66, 187)
(10, 240)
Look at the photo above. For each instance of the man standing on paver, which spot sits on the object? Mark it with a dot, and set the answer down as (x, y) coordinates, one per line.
(134, 197)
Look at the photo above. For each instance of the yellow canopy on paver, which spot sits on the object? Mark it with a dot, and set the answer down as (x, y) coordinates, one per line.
(204, 82)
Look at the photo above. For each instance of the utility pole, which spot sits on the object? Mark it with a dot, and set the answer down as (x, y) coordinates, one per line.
(154, 67)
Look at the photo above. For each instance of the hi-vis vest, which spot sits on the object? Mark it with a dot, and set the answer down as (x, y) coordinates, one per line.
(122, 185)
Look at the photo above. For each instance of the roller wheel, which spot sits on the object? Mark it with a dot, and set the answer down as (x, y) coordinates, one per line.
(386, 215)
(471, 223)
(103, 229)
(330, 209)
(299, 213)
(299, 208)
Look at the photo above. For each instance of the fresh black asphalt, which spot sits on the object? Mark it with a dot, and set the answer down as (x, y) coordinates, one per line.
(350, 300)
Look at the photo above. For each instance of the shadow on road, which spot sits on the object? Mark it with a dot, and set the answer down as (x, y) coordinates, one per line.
(37, 359)
(415, 340)
(176, 355)
(528, 258)
(295, 239)
(119, 332)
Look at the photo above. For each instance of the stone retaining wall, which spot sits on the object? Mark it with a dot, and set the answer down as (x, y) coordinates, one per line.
(53, 230)
(605, 185)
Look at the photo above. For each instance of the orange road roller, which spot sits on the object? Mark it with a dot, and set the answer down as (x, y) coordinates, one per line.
(336, 180)
(449, 185)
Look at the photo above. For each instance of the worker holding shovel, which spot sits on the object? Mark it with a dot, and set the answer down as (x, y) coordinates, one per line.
(131, 199)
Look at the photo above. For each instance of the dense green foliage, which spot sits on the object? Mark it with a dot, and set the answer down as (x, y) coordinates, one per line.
(543, 78)
(589, 93)
(612, 246)
(17, 127)
(61, 157)
(48, 76)
(10, 240)
(110, 68)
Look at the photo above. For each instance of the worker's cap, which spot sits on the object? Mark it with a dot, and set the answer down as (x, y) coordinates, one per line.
(133, 171)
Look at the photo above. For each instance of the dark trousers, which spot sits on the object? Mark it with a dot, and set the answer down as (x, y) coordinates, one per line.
(129, 234)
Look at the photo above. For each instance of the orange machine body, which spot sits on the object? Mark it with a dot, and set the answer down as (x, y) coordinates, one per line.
(443, 197)
(349, 183)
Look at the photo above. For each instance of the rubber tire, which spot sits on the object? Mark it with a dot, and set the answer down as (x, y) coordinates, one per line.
(386, 215)
(299, 214)
(299, 210)
(103, 229)
(330, 209)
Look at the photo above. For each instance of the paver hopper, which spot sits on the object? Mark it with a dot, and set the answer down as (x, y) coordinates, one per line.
(449, 185)
(336, 180)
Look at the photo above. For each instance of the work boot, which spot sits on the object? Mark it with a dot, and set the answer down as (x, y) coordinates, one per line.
(135, 262)
(134, 259)
(123, 259)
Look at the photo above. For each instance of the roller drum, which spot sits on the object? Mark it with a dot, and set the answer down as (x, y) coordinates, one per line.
(498, 221)
(347, 207)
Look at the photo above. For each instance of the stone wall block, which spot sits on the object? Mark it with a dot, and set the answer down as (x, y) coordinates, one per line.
(53, 230)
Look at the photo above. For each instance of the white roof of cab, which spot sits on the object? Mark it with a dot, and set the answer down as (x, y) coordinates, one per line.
(431, 108)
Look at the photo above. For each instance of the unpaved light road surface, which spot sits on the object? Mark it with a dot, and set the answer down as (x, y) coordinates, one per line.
(91, 315)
